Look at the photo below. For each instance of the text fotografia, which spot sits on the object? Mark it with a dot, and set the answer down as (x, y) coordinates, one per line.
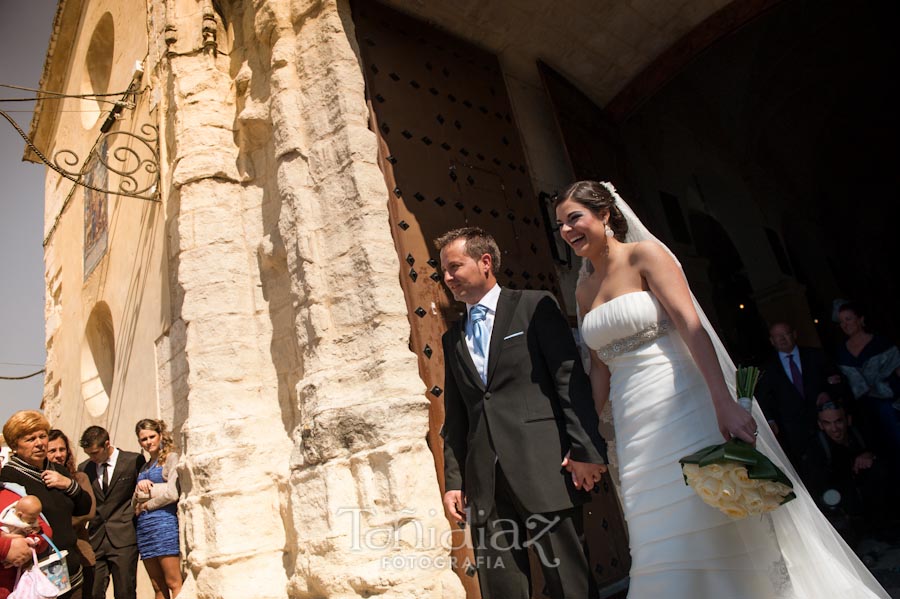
(411, 532)
(437, 562)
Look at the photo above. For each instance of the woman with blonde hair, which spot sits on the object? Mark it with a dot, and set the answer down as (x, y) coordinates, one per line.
(155, 506)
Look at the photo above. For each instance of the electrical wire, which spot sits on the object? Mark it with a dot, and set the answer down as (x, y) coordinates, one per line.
(30, 111)
(21, 378)
(48, 93)
(98, 100)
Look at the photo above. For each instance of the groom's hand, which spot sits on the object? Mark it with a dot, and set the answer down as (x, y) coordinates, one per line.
(584, 474)
(455, 504)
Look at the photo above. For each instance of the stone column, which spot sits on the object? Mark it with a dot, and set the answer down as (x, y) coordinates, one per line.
(235, 431)
(306, 469)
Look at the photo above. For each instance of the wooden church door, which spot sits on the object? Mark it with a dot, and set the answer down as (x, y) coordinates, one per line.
(452, 157)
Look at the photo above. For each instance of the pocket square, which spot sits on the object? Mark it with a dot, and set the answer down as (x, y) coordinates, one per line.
(514, 335)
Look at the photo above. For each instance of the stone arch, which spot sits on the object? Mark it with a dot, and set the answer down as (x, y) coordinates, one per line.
(97, 69)
(98, 359)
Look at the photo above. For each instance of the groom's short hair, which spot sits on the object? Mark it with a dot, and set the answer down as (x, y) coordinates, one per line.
(478, 243)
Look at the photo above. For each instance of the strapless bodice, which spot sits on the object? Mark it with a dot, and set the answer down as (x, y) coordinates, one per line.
(624, 323)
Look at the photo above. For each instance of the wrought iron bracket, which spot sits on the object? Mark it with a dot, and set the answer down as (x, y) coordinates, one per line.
(123, 160)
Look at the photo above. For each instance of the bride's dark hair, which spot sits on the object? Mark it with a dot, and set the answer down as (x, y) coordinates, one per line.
(596, 198)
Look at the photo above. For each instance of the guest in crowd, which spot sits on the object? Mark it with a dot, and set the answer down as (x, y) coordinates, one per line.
(155, 505)
(871, 365)
(27, 434)
(113, 475)
(790, 384)
(15, 548)
(840, 458)
(60, 452)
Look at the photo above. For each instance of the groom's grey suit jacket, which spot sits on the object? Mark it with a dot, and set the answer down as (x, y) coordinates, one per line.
(535, 407)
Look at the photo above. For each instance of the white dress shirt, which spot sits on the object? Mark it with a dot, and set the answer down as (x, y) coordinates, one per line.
(787, 365)
(489, 301)
(111, 460)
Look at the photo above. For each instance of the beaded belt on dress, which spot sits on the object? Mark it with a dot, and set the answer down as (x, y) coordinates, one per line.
(632, 342)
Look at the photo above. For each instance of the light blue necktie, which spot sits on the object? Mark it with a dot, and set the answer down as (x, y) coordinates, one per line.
(480, 334)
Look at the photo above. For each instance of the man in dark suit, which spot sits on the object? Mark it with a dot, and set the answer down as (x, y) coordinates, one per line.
(839, 458)
(789, 387)
(113, 475)
(521, 443)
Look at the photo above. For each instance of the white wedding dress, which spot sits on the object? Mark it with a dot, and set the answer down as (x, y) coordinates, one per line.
(682, 548)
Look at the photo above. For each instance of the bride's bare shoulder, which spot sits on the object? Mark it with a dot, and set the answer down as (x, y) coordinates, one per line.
(646, 250)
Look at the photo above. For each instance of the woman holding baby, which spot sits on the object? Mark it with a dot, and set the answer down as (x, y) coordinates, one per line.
(27, 434)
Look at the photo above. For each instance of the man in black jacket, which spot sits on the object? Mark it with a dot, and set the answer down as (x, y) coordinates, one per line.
(839, 458)
(791, 382)
(521, 443)
(113, 475)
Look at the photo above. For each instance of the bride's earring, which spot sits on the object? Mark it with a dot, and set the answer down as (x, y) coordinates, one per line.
(608, 230)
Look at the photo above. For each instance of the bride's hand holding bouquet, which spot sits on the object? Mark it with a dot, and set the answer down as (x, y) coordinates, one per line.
(734, 477)
(734, 421)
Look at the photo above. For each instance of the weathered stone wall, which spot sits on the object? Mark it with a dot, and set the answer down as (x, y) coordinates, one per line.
(300, 405)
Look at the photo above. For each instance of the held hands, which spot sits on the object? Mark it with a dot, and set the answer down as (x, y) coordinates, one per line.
(54, 480)
(144, 485)
(455, 504)
(584, 474)
(735, 421)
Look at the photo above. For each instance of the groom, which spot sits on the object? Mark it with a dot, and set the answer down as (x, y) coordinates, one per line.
(521, 444)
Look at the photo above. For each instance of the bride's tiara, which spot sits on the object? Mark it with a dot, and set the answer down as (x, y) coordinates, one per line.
(609, 187)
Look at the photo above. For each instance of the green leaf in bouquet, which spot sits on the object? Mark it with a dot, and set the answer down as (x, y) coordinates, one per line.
(695, 457)
(788, 497)
(759, 467)
(766, 470)
(736, 450)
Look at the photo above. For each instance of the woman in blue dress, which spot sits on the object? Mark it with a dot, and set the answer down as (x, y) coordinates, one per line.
(155, 506)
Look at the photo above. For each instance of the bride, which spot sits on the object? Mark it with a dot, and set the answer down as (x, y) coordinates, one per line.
(657, 359)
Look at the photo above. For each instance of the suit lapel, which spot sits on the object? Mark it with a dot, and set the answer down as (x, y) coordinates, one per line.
(506, 307)
(785, 377)
(122, 464)
(95, 483)
(463, 355)
(805, 369)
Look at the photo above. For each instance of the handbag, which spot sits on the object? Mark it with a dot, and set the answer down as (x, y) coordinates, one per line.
(55, 568)
(33, 584)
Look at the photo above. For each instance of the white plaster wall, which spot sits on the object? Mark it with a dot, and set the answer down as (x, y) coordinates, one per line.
(130, 278)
